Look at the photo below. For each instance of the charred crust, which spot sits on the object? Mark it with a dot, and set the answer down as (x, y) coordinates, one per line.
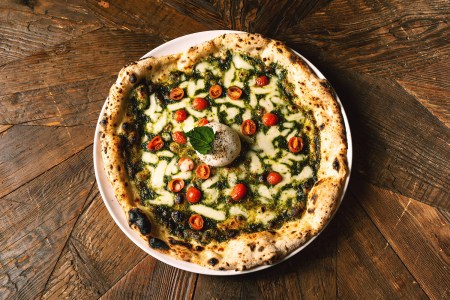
(252, 246)
(322, 126)
(213, 261)
(314, 198)
(133, 78)
(173, 241)
(336, 164)
(137, 218)
(199, 248)
(311, 210)
(292, 58)
(156, 243)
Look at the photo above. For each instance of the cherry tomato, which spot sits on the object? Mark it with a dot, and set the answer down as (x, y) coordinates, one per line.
(196, 222)
(155, 144)
(176, 185)
(202, 122)
(262, 81)
(215, 91)
(181, 115)
(186, 164)
(203, 171)
(274, 178)
(193, 194)
(179, 137)
(295, 144)
(270, 119)
(239, 191)
(176, 94)
(248, 127)
(200, 104)
(234, 92)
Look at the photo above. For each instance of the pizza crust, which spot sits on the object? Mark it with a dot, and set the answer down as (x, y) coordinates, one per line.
(254, 249)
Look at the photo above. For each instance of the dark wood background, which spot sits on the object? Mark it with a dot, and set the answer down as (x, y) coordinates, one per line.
(388, 61)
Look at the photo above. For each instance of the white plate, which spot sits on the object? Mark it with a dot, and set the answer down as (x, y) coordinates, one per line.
(175, 46)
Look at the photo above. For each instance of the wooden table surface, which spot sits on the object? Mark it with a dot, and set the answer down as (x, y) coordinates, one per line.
(388, 61)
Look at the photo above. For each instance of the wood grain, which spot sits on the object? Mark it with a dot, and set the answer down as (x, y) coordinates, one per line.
(35, 221)
(419, 235)
(367, 267)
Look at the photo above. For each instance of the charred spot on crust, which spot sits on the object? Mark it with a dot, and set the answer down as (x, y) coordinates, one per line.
(156, 243)
(252, 246)
(314, 198)
(322, 126)
(199, 248)
(213, 261)
(137, 217)
(311, 210)
(292, 58)
(133, 78)
(336, 165)
(173, 241)
(261, 249)
(104, 122)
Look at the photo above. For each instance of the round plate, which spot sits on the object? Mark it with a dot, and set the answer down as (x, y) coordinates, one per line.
(175, 46)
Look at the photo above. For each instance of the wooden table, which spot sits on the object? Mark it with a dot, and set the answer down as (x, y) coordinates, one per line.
(388, 61)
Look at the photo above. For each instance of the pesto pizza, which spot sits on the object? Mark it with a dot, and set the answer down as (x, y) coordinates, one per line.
(229, 155)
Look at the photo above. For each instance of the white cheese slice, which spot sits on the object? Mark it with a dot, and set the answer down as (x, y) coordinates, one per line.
(240, 63)
(176, 106)
(306, 173)
(265, 217)
(238, 103)
(172, 167)
(193, 86)
(165, 153)
(149, 158)
(297, 117)
(158, 174)
(287, 194)
(205, 66)
(237, 210)
(229, 76)
(255, 163)
(159, 124)
(232, 112)
(208, 212)
(164, 198)
(288, 125)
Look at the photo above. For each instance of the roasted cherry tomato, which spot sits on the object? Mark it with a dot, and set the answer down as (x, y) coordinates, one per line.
(155, 144)
(215, 91)
(270, 119)
(274, 178)
(193, 194)
(248, 127)
(239, 191)
(186, 164)
(181, 115)
(202, 122)
(200, 104)
(176, 94)
(295, 144)
(203, 171)
(176, 185)
(179, 137)
(196, 222)
(234, 92)
(262, 81)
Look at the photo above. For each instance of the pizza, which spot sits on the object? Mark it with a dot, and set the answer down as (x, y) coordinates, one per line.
(229, 155)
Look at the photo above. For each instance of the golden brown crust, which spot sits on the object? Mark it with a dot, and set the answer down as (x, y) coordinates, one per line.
(247, 250)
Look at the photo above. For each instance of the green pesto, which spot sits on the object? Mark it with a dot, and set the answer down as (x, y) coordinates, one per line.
(178, 225)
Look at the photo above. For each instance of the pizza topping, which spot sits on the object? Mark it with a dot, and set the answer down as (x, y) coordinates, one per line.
(155, 144)
(215, 91)
(234, 92)
(137, 218)
(200, 104)
(225, 148)
(176, 185)
(179, 137)
(176, 94)
(181, 115)
(201, 138)
(193, 195)
(202, 122)
(196, 222)
(274, 177)
(248, 127)
(186, 164)
(262, 81)
(178, 198)
(203, 171)
(295, 144)
(270, 119)
(158, 244)
(239, 191)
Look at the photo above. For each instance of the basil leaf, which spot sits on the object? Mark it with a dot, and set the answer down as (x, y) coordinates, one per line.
(201, 138)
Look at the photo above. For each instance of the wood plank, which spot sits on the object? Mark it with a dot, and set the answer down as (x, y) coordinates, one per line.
(4, 127)
(42, 213)
(418, 233)
(77, 103)
(97, 255)
(152, 279)
(431, 87)
(24, 33)
(367, 266)
(311, 274)
(28, 151)
(81, 59)
(375, 37)
(399, 144)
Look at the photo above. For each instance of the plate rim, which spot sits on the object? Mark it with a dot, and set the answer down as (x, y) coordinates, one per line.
(109, 199)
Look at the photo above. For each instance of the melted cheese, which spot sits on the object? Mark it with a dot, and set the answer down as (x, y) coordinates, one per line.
(188, 124)
(163, 198)
(306, 173)
(149, 158)
(205, 66)
(193, 86)
(287, 194)
(265, 217)
(158, 175)
(255, 163)
(238, 210)
(240, 63)
(208, 212)
(238, 103)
